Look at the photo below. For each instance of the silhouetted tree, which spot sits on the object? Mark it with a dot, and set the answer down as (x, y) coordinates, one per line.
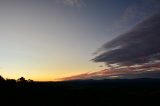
(10, 80)
(29, 80)
(1, 79)
(22, 79)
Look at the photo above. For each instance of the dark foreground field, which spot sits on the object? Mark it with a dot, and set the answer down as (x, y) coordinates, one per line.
(82, 93)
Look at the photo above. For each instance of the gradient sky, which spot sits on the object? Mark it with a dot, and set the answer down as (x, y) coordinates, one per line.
(49, 39)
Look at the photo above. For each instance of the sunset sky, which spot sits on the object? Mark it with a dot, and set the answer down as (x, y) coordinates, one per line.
(48, 39)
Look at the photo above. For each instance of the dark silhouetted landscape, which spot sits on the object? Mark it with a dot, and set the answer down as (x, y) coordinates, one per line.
(136, 92)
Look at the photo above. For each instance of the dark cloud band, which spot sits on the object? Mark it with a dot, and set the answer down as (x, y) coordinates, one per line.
(140, 45)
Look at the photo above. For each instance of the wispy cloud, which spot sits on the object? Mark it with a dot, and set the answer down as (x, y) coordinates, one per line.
(77, 3)
(134, 14)
(141, 10)
(141, 71)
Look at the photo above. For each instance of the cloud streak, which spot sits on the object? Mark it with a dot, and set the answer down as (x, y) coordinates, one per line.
(138, 46)
(77, 3)
(141, 10)
(134, 14)
(142, 71)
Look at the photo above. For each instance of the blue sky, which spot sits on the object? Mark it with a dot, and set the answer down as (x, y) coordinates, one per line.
(44, 40)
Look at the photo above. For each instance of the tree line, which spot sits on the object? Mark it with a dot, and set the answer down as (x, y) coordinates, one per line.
(19, 80)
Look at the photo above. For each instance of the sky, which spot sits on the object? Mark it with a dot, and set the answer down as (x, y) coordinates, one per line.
(45, 40)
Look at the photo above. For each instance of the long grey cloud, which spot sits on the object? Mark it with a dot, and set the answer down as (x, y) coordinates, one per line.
(140, 45)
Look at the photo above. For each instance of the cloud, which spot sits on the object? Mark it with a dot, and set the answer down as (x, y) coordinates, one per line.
(137, 51)
(138, 46)
(77, 3)
(142, 71)
(141, 10)
(133, 14)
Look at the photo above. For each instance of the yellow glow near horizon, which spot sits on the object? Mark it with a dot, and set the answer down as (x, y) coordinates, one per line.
(46, 40)
(46, 74)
